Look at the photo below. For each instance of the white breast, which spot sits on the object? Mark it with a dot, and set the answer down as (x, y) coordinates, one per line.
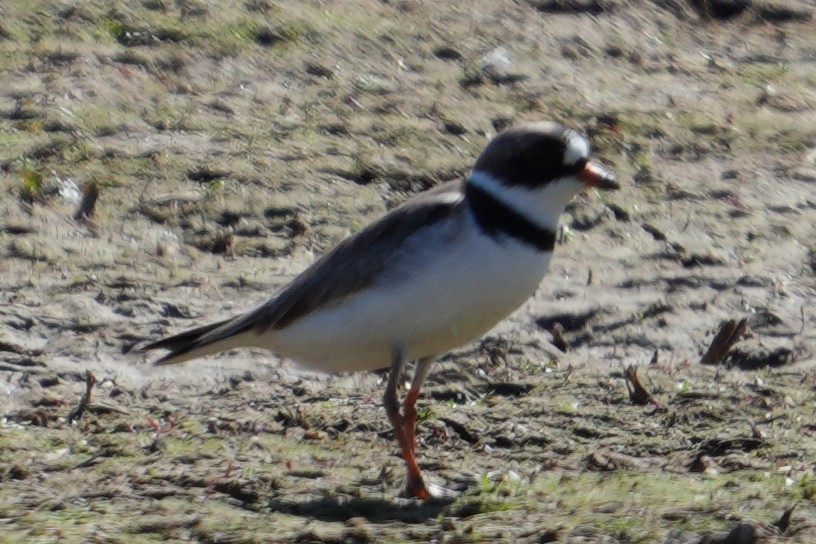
(448, 285)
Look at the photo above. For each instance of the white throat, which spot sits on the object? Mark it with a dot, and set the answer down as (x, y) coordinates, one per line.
(542, 206)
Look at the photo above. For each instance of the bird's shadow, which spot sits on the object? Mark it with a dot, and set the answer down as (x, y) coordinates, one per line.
(375, 510)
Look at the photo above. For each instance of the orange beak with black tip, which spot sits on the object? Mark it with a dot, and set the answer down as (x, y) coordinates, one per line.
(597, 175)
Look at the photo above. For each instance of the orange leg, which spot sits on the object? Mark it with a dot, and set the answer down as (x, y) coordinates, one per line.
(409, 406)
(404, 425)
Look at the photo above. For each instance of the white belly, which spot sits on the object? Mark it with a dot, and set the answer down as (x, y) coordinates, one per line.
(459, 287)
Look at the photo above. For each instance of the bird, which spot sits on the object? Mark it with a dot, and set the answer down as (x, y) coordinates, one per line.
(430, 275)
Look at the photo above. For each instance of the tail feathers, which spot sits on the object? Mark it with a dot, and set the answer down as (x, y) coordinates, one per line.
(183, 338)
(198, 342)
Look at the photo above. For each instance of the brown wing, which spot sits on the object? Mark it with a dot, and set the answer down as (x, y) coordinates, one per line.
(352, 265)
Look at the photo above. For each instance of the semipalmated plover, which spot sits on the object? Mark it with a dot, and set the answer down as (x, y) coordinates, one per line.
(430, 275)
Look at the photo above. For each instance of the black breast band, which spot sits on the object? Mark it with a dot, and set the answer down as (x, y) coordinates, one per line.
(495, 218)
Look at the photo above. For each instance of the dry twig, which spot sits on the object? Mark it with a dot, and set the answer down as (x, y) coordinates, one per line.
(90, 380)
(87, 206)
(784, 522)
(559, 340)
(637, 393)
(728, 335)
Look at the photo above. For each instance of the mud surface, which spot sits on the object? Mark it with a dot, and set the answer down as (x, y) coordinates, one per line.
(231, 143)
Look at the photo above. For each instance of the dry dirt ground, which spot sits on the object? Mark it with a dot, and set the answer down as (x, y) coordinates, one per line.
(232, 142)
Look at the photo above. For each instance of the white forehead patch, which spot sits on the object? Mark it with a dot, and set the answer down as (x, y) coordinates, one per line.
(577, 147)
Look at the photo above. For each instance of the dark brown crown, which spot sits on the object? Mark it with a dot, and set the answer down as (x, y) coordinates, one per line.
(533, 154)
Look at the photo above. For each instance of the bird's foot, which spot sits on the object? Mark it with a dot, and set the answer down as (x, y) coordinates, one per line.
(416, 488)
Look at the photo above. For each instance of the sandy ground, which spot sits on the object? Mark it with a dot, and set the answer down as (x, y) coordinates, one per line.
(231, 143)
